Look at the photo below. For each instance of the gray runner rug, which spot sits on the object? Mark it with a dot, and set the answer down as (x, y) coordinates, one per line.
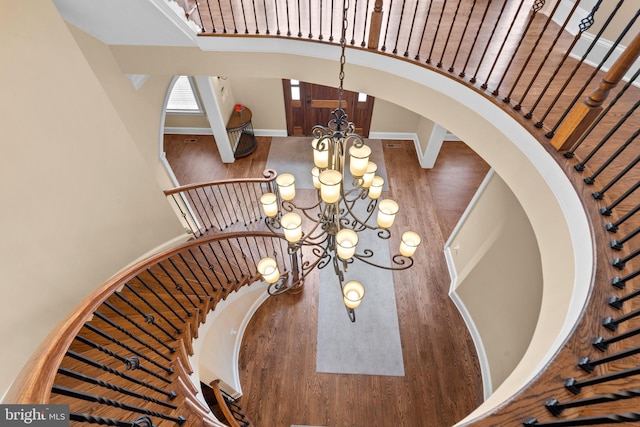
(371, 345)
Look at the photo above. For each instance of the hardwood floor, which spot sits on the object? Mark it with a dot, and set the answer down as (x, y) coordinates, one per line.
(277, 360)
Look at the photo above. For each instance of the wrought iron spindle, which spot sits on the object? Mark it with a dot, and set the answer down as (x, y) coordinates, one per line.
(152, 307)
(537, 5)
(446, 43)
(187, 281)
(288, 20)
(619, 282)
(617, 244)
(608, 209)
(233, 17)
(127, 347)
(366, 21)
(197, 215)
(353, 27)
(598, 195)
(616, 302)
(586, 421)
(502, 45)
(299, 20)
(612, 324)
(84, 359)
(139, 326)
(211, 268)
(395, 47)
(183, 213)
(464, 32)
(435, 36)
(613, 226)
(602, 344)
(576, 386)
(132, 363)
(386, 30)
(413, 24)
(92, 380)
(111, 402)
(531, 52)
(162, 300)
(244, 17)
(424, 30)
(130, 335)
(180, 288)
(620, 263)
(200, 209)
(277, 18)
(589, 365)
(224, 26)
(187, 264)
(93, 419)
(148, 318)
(229, 262)
(486, 46)
(255, 16)
(331, 22)
(580, 166)
(556, 407)
(542, 63)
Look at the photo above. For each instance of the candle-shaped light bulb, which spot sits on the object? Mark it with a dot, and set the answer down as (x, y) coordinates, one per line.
(387, 210)
(346, 241)
(367, 179)
(330, 181)
(352, 293)
(359, 159)
(320, 152)
(286, 186)
(269, 203)
(292, 225)
(315, 175)
(268, 268)
(375, 190)
(409, 244)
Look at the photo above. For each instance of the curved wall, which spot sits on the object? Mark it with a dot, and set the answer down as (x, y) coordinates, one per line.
(553, 208)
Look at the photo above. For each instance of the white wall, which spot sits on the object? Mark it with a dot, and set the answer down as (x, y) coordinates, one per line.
(497, 276)
(79, 201)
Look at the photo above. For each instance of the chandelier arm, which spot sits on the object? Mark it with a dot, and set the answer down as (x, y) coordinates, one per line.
(289, 206)
(402, 262)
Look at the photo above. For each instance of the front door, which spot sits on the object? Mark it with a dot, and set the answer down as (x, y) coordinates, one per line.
(308, 105)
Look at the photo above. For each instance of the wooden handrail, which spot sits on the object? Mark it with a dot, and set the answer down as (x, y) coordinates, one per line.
(223, 404)
(584, 113)
(33, 384)
(269, 175)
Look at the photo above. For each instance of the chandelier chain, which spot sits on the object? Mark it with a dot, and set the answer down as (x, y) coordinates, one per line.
(343, 45)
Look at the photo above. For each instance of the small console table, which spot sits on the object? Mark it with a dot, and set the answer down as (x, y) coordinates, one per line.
(240, 131)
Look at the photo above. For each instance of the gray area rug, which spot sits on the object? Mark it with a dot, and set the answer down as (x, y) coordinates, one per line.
(294, 155)
(371, 345)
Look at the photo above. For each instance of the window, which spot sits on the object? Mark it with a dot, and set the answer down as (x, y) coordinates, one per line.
(362, 97)
(183, 98)
(295, 90)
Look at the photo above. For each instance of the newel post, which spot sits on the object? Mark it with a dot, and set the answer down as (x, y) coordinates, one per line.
(584, 113)
(376, 25)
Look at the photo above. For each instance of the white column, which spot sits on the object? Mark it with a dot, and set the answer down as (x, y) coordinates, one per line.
(214, 115)
(433, 146)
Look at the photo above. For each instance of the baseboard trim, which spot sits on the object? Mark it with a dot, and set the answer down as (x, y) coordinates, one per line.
(187, 131)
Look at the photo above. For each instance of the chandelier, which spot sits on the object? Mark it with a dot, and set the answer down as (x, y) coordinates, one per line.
(334, 225)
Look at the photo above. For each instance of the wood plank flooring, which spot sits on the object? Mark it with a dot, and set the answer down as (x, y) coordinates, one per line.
(277, 365)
